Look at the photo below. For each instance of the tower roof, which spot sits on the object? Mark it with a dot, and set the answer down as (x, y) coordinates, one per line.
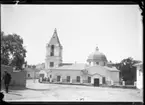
(54, 39)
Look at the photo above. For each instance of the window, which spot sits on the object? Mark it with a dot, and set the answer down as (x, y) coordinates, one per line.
(28, 75)
(51, 64)
(97, 63)
(51, 54)
(52, 50)
(78, 78)
(89, 79)
(58, 78)
(68, 78)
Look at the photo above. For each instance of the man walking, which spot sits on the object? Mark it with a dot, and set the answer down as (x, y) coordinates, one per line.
(7, 79)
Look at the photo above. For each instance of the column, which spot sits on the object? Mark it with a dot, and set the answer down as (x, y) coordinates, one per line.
(123, 83)
(60, 78)
(70, 80)
(112, 82)
(81, 79)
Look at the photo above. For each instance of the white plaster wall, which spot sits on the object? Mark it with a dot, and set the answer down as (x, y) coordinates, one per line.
(114, 76)
(100, 70)
(31, 74)
(139, 82)
(63, 73)
(56, 60)
(106, 73)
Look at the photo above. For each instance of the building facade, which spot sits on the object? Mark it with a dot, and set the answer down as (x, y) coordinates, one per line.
(32, 73)
(139, 75)
(94, 71)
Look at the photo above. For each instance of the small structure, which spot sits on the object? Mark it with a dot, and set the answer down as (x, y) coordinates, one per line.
(32, 73)
(139, 75)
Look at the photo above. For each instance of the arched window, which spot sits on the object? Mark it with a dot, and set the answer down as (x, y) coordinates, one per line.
(52, 50)
(58, 78)
(68, 78)
(89, 79)
(51, 64)
(78, 78)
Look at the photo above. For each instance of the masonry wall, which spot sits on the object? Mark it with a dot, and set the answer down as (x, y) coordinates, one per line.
(18, 78)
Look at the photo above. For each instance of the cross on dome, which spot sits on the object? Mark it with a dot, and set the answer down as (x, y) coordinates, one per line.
(97, 49)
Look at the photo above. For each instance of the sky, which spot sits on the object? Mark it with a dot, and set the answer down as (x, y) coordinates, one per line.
(115, 29)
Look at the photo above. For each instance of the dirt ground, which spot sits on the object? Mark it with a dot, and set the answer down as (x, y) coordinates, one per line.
(35, 91)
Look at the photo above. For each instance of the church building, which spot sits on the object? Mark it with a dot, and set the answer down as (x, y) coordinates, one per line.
(96, 71)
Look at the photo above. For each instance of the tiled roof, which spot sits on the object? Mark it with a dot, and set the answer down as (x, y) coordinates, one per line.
(111, 68)
(77, 66)
(62, 64)
(137, 64)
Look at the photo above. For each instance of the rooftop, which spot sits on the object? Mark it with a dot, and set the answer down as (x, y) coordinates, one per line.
(77, 66)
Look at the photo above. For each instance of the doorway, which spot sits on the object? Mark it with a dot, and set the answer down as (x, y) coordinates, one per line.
(96, 81)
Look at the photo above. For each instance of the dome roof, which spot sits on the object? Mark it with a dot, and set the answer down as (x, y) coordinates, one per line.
(96, 56)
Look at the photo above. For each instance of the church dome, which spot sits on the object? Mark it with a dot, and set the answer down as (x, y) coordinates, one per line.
(97, 56)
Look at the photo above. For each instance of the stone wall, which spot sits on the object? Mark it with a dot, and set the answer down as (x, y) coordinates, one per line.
(18, 78)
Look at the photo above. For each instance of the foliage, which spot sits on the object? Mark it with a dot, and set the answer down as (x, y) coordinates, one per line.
(127, 70)
(12, 51)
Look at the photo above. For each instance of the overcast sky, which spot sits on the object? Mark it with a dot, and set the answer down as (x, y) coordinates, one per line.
(116, 29)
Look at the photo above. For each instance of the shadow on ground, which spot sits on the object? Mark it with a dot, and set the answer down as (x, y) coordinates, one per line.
(11, 88)
(37, 89)
(10, 92)
(17, 88)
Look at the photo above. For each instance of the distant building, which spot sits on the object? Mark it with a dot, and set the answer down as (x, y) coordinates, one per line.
(95, 71)
(139, 75)
(32, 73)
(40, 66)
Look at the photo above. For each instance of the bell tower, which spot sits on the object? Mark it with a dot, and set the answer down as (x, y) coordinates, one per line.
(53, 52)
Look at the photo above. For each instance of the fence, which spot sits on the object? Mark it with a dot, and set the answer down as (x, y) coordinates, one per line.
(18, 78)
